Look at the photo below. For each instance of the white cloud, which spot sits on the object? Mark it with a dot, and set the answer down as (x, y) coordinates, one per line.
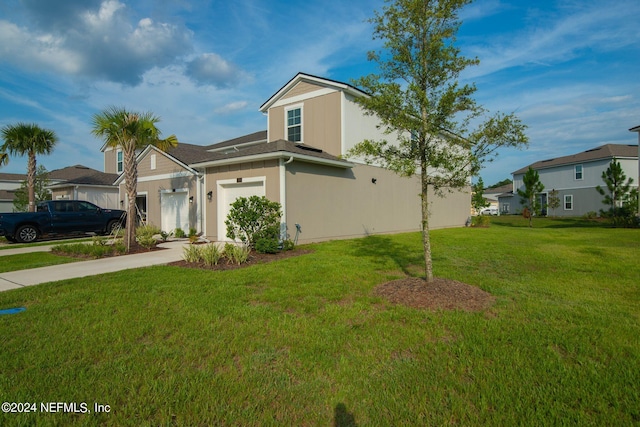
(210, 68)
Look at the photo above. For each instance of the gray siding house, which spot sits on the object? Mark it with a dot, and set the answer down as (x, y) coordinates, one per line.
(575, 177)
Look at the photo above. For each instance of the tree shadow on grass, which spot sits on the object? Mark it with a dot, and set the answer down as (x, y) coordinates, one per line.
(382, 249)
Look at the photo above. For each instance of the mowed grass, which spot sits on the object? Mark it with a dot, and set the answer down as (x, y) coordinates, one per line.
(302, 341)
(31, 260)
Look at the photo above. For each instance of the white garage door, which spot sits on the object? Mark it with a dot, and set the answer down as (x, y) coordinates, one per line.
(174, 211)
(227, 194)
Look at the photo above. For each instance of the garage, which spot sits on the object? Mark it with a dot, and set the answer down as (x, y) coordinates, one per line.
(174, 211)
(229, 191)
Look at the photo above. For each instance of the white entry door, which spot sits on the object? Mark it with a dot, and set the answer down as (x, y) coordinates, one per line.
(228, 192)
(174, 211)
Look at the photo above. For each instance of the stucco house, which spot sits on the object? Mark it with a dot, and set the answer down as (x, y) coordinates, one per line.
(9, 183)
(575, 177)
(300, 161)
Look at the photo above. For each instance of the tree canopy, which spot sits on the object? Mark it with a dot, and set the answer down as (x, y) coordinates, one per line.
(435, 127)
(130, 131)
(28, 139)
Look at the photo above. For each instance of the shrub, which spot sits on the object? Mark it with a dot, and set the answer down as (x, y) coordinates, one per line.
(93, 250)
(145, 235)
(253, 218)
(164, 235)
(211, 254)
(191, 253)
(480, 221)
(288, 245)
(98, 241)
(236, 254)
(267, 245)
(591, 215)
(179, 233)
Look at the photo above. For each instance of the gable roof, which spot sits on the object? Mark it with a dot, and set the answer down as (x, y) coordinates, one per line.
(607, 151)
(273, 150)
(80, 175)
(319, 81)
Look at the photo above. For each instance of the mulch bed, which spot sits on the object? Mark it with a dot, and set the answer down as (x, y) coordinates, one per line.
(441, 294)
(254, 258)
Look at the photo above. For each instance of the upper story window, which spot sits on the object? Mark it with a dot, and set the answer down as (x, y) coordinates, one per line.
(294, 124)
(119, 161)
(578, 172)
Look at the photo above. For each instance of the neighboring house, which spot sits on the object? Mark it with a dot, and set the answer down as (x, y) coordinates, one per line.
(491, 194)
(301, 162)
(9, 183)
(74, 182)
(82, 183)
(575, 177)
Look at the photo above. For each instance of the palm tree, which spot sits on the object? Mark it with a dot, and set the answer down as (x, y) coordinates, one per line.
(4, 158)
(29, 139)
(130, 131)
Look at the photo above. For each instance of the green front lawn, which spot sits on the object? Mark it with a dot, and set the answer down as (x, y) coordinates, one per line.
(302, 341)
(31, 260)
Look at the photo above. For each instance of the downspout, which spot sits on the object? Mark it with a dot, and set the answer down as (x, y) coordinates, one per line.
(283, 194)
(75, 192)
(200, 202)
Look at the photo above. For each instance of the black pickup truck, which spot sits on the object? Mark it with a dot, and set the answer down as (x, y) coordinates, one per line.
(59, 217)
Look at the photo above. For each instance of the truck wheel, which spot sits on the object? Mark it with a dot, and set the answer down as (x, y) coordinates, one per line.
(27, 234)
(111, 226)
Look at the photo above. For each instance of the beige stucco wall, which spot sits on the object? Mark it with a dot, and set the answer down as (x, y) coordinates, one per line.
(321, 122)
(110, 160)
(269, 169)
(301, 88)
(167, 176)
(331, 203)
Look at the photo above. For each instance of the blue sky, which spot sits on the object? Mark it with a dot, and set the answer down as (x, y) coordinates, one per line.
(569, 69)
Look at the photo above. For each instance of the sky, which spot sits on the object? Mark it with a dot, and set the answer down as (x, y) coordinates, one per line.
(569, 69)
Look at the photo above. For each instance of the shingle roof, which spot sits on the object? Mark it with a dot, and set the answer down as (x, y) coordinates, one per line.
(187, 153)
(80, 174)
(603, 152)
(12, 177)
(273, 147)
(7, 195)
(252, 137)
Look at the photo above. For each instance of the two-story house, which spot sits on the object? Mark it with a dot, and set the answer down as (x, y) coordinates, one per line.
(300, 161)
(575, 178)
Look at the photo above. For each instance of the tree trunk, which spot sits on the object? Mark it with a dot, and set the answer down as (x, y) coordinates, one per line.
(426, 238)
(31, 181)
(131, 182)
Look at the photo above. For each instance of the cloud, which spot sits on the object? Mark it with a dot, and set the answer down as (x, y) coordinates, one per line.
(559, 37)
(102, 43)
(231, 107)
(212, 69)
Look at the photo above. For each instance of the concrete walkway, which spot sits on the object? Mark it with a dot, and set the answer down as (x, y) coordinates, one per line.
(35, 276)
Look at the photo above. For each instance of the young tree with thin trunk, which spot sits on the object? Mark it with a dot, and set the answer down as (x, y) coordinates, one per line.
(420, 102)
(618, 189)
(477, 197)
(31, 140)
(554, 201)
(529, 196)
(21, 199)
(130, 131)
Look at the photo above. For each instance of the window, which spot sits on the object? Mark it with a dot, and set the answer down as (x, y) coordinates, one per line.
(505, 208)
(568, 202)
(294, 124)
(578, 172)
(153, 162)
(119, 162)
